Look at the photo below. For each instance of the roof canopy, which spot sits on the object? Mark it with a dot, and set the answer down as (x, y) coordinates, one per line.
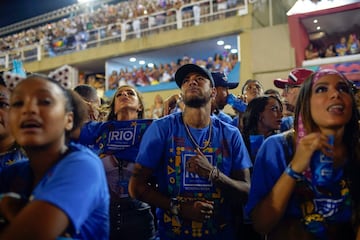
(307, 6)
(332, 15)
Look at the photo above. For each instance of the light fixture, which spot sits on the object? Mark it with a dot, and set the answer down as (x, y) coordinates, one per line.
(141, 62)
(315, 21)
(220, 42)
(150, 65)
(132, 59)
(227, 47)
(316, 35)
(318, 28)
(233, 50)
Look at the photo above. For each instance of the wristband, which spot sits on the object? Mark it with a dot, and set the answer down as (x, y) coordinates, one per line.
(174, 206)
(10, 194)
(295, 175)
(214, 174)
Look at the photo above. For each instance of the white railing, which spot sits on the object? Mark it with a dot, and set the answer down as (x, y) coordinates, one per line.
(135, 28)
(331, 60)
(48, 17)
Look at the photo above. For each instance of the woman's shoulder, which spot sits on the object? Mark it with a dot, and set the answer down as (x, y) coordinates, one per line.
(170, 118)
(281, 137)
(221, 124)
(92, 126)
(79, 157)
(281, 141)
(79, 149)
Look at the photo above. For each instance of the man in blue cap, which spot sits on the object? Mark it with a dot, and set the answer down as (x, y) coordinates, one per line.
(201, 164)
(222, 86)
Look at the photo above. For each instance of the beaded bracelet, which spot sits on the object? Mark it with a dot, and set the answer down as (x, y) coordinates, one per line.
(214, 174)
(295, 175)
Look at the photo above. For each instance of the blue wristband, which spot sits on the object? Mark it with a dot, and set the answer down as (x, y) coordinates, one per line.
(295, 175)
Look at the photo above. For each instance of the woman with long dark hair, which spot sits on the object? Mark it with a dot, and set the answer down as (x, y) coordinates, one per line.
(116, 142)
(262, 118)
(305, 183)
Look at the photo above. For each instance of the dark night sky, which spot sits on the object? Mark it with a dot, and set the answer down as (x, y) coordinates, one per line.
(12, 11)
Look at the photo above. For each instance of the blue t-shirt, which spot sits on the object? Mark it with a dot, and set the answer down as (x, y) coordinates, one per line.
(117, 144)
(286, 123)
(270, 163)
(235, 121)
(119, 138)
(341, 49)
(165, 148)
(307, 200)
(76, 185)
(11, 157)
(225, 118)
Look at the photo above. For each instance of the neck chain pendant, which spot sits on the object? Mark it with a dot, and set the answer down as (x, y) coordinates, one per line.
(195, 144)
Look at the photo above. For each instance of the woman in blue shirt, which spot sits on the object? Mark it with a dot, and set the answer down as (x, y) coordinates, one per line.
(116, 141)
(10, 151)
(61, 191)
(286, 199)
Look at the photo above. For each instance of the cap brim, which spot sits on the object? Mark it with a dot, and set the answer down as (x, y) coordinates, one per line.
(280, 83)
(184, 70)
(232, 85)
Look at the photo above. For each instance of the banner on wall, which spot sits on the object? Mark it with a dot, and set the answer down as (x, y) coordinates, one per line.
(350, 69)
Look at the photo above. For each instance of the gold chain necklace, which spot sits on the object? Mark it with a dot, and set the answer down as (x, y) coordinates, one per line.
(207, 142)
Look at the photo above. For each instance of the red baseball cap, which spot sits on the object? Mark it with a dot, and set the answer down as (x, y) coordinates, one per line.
(296, 77)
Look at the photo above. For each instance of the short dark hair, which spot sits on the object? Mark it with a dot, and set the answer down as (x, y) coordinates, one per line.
(250, 81)
(2, 81)
(86, 91)
(272, 92)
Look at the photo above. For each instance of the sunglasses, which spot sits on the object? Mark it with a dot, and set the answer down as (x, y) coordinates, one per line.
(288, 87)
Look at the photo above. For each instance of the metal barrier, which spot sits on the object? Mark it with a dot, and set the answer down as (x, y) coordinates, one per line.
(187, 15)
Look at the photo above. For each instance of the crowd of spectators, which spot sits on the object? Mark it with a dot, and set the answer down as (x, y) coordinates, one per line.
(74, 32)
(347, 44)
(146, 75)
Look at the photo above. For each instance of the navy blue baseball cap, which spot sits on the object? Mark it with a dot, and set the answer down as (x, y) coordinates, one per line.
(221, 80)
(184, 70)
